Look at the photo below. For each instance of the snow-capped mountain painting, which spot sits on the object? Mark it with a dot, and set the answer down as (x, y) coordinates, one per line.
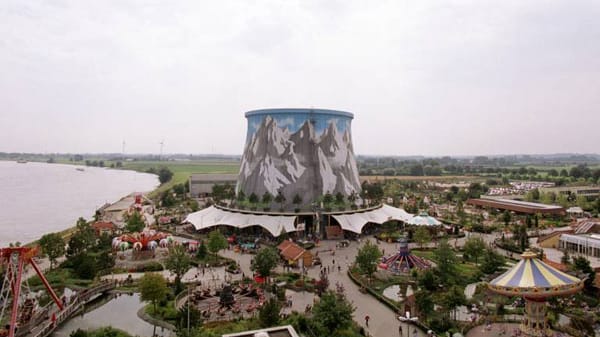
(306, 156)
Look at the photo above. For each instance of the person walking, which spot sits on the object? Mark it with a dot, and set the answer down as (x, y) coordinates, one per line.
(367, 320)
(400, 330)
(415, 333)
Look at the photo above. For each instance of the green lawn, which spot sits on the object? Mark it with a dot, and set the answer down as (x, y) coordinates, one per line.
(182, 170)
(468, 270)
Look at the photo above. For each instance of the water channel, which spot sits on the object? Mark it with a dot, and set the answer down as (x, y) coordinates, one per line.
(119, 313)
(395, 292)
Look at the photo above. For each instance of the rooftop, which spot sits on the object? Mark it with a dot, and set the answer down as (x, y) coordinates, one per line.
(205, 177)
(516, 205)
(524, 203)
(299, 111)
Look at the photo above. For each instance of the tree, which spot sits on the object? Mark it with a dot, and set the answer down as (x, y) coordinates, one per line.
(352, 198)
(506, 217)
(178, 262)
(474, 247)
(105, 261)
(153, 288)
(280, 199)
(427, 280)
(492, 261)
(339, 198)
(267, 198)
(83, 239)
(521, 237)
(201, 253)
(327, 198)
(179, 189)
(269, 313)
(424, 303)
(265, 260)
(164, 175)
(167, 199)
(135, 223)
(421, 236)
(216, 242)
(582, 264)
(52, 245)
(333, 312)
(241, 196)
(367, 258)
(446, 261)
(454, 297)
(253, 198)
(565, 259)
(297, 200)
(84, 266)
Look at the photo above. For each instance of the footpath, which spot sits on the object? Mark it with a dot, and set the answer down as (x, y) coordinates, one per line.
(383, 321)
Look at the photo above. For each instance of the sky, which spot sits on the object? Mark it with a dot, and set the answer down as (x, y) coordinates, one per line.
(421, 77)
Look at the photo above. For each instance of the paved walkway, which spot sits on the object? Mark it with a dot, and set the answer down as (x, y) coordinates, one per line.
(383, 321)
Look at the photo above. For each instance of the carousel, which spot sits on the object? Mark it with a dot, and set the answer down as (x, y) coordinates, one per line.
(143, 244)
(535, 281)
(403, 261)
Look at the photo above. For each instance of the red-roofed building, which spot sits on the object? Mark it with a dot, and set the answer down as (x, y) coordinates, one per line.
(293, 253)
(104, 227)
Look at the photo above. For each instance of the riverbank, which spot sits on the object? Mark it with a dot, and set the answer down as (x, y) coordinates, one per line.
(39, 198)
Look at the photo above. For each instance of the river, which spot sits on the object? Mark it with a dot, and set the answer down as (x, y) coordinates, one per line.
(120, 313)
(38, 198)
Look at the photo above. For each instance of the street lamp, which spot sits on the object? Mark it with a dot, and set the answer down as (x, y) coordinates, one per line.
(407, 319)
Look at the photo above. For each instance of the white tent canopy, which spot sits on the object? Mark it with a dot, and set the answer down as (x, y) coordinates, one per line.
(356, 221)
(278, 224)
(424, 219)
(213, 216)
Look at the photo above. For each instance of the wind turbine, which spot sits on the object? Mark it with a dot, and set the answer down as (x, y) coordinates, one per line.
(162, 143)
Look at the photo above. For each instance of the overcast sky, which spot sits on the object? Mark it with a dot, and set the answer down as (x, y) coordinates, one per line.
(421, 77)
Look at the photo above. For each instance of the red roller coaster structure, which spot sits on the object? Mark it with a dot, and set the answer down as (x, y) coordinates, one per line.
(14, 260)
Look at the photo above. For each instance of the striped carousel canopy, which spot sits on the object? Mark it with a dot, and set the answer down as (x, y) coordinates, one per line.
(534, 279)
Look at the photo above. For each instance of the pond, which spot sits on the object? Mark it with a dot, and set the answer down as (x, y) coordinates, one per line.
(393, 292)
(120, 313)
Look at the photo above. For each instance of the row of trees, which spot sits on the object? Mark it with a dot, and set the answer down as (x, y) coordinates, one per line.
(86, 254)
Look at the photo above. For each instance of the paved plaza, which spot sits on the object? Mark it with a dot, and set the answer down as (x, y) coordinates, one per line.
(383, 321)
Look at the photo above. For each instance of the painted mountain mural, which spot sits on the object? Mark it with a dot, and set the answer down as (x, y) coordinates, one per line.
(306, 162)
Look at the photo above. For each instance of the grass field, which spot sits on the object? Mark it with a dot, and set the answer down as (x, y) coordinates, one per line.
(467, 270)
(182, 170)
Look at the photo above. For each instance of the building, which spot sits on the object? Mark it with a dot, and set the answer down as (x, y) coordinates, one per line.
(585, 244)
(294, 254)
(552, 240)
(280, 331)
(517, 206)
(201, 184)
(298, 152)
(104, 227)
(293, 158)
(586, 191)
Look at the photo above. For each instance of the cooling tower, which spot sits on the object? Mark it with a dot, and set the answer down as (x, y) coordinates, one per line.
(305, 152)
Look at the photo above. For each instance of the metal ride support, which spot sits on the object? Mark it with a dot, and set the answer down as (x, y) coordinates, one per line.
(14, 260)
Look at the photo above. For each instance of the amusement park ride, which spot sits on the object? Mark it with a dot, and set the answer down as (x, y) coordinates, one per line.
(15, 295)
